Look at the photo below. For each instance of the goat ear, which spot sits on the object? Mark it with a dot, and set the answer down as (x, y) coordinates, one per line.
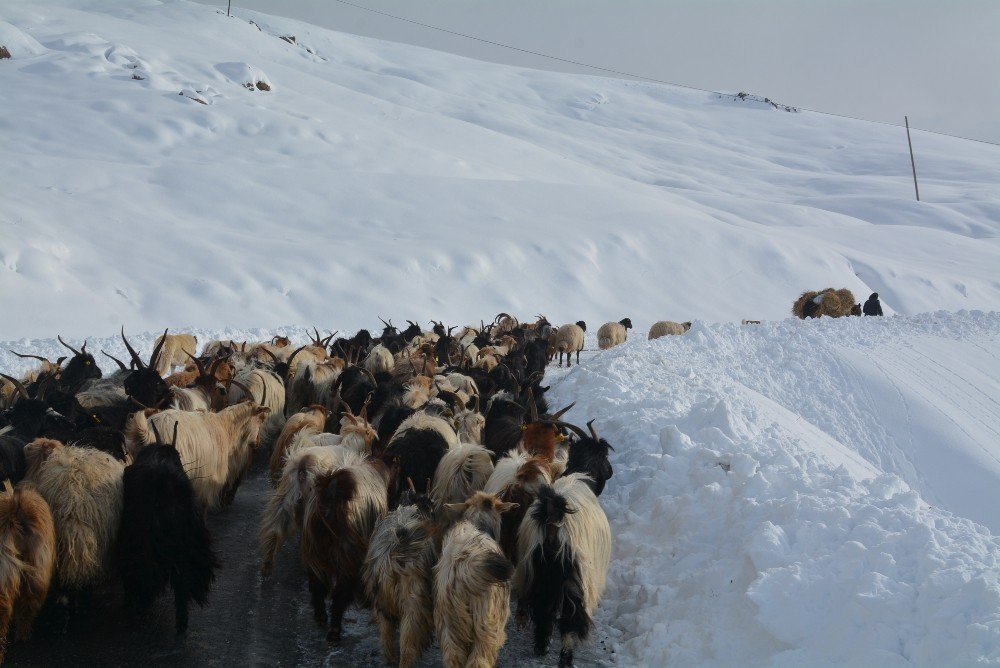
(504, 507)
(457, 507)
(261, 410)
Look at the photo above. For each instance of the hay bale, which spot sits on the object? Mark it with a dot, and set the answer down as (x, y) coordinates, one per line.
(828, 302)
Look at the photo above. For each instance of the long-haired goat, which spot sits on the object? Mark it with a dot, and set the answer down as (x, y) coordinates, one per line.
(174, 352)
(338, 521)
(27, 559)
(312, 417)
(589, 455)
(472, 586)
(565, 547)
(83, 488)
(282, 516)
(461, 472)
(398, 579)
(215, 448)
(163, 539)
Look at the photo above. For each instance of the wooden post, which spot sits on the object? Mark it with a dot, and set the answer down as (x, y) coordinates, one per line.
(230, 6)
(912, 163)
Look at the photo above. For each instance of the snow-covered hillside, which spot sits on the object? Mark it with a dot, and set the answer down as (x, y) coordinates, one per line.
(794, 493)
(372, 175)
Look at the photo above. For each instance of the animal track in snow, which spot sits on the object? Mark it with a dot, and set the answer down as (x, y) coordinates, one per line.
(245, 75)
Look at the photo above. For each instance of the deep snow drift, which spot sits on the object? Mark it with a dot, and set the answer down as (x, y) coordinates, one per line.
(374, 174)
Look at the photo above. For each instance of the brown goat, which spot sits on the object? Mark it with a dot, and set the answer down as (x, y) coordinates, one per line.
(27, 559)
(338, 521)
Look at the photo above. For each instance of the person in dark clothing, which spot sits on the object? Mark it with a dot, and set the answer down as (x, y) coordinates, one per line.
(873, 306)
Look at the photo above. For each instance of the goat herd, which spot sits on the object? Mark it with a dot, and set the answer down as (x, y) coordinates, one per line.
(423, 471)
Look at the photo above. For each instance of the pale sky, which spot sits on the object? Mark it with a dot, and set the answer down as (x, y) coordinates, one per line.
(937, 61)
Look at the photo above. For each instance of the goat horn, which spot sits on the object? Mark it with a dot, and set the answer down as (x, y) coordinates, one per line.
(37, 357)
(263, 394)
(593, 432)
(173, 440)
(246, 390)
(364, 408)
(17, 384)
(155, 357)
(559, 414)
(572, 427)
(268, 352)
(135, 356)
(292, 356)
(531, 405)
(476, 409)
(121, 365)
(156, 432)
(456, 400)
(83, 348)
(384, 322)
(409, 482)
(197, 363)
(75, 351)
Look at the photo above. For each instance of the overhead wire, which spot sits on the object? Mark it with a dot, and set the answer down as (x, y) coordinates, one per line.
(639, 77)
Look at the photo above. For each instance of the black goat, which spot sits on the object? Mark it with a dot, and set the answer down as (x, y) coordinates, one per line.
(415, 455)
(589, 455)
(163, 540)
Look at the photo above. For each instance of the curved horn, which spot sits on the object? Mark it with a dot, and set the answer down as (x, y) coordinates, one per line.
(37, 357)
(562, 412)
(384, 322)
(456, 401)
(263, 394)
(571, 427)
(364, 408)
(197, 363)
(268, 352)
(135, 356)
(173, 440)
(246, 390)
(17, 384)
(476, 397)
(593, 432)
(294, 353)
(75, 351)
(531, 405)
(121, 365)
(409, 481)
(155, 357)
(156, 432)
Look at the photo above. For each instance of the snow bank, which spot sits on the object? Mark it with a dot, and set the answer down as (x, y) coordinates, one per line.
(760, 512)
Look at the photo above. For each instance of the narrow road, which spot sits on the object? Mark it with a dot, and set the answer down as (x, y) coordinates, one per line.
(247, 622)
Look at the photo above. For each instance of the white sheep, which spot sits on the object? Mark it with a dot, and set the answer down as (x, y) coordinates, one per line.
(666, 327)
(567, 339)
(612, 334)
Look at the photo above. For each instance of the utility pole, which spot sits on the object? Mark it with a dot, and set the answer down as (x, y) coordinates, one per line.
(912, 163)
